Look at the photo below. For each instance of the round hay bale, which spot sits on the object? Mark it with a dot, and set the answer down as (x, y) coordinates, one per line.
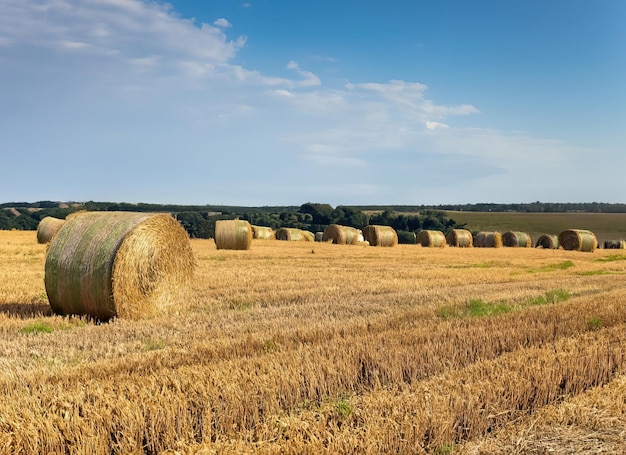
(461, 238)
(124, 264)
(614, 244)
(547, 241)
(380, 235)
(233, 235)
(488, 239)
(341, 235)
(517, 239)
(432, 239)
(294, 235)
(47, 228)
(262, 233)
(319, 236)
(578, 240)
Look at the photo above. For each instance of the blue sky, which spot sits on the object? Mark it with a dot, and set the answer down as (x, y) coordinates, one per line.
(282, 102)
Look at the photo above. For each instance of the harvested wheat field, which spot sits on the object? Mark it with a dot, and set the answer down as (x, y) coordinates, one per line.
(301, 348)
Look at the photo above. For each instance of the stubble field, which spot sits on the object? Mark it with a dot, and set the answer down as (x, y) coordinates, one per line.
(318, 348)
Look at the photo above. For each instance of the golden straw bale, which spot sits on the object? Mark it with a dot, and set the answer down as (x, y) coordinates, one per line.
(294, 235)
(341, 235)
(614, 244)
(488, 239)
(263, 233)
(461, 238)
(431, 238)
(380, 235)
(47, 228)
(578, 240)
(124, 264)
(233, 235)
(517, 239)
(547, 241)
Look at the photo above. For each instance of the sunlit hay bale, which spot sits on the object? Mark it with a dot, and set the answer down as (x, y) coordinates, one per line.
(341, 235)
(614, 244)
(517, 239)
(262, 233)
(487, 239)
(461, 238)
(578, 240)
(47, 228)
(294, 235)
(378, 235)
(319, 236)
(430, 238)
(547, 241)
(124, 264)
(233, 235)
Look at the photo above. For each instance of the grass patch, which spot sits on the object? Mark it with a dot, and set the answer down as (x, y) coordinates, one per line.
(612, 258)
(153, 345)
(476, 308)
(344, 407)
(594, 323)
(595, 272)
(553, 267)
(38, 327)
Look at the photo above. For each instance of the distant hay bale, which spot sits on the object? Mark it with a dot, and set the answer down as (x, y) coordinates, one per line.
(517, 239)
(233, 235)
(341, 235)
(488, 239)
(578, 240)
(378, 235)
(319, 236)
(614, 244)
(47, 228)
(431, 238)
(461, 238)
(262, 233)
(547, 241)
(294, 235)
(125, 264)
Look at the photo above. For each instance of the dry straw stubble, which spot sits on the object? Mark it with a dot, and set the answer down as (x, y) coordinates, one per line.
(124, 264)
(380, 235)
(233, 235)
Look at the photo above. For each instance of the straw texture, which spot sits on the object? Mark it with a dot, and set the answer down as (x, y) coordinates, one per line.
(578, 240)
(517, 239)
(294, 235)
(487, 239)
(233, 235)
(380, 235)
(547, 241)
(341, 235)
(124, 264)
(461, 238)
(47, 228)
(432, 239)
(263, 233)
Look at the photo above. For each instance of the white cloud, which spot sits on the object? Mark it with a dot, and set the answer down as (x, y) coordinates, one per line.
(221, 22)
(310, 79)
(435, 125)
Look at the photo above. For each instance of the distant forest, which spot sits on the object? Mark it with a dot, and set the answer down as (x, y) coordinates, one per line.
(199, 220)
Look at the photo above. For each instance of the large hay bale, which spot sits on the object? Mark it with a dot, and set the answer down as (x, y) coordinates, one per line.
(262, 233)
(319, 236)
(431, 238)
(341, 235)
(488, 239)
(614, 244)
(47, 228)
(547, 241)
(517, 239)
(578, 240)
(233, 235)
(294, 235)
(124, 264)
(380, 235)
(461, 238)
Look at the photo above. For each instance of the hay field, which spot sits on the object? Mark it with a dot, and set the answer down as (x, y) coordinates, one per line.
(295, 348)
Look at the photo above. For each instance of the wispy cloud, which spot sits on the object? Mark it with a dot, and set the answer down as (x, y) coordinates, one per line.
(221, 22)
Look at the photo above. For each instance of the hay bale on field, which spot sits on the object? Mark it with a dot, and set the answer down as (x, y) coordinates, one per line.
(488, 239)
(431, 238)
(124, 264)
(578, 240)
(614, 244)
(547, 241)
(380, 235)
(319, 236)
(262, 233)
(341, 235)
(47, 228)
(461, 238)
(517, 239)
(294, 235)
(233, 235)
